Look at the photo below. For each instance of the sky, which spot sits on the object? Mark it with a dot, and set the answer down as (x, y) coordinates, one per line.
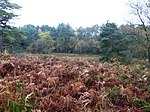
(74, 12)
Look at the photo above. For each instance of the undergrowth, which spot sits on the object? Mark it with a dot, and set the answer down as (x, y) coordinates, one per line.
(30, 83)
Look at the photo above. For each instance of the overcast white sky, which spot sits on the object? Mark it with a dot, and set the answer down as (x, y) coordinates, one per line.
(75, 12)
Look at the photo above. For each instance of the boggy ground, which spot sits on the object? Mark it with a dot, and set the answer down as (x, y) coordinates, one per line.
(43, 83)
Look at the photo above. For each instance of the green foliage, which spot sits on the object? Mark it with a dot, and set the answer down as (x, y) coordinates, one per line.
(14, 107)
(88, 32)
(13, 40)
(31, 32)
(140, 9)
(44, 45)
(137, 42)
(88, 46)
(143, 103)
(45, 28)
(21, 103)
(113, 44)
(65, 32)
(7, 12)
(114, 91)
(116, 97)
(110, 41)
(5, 52)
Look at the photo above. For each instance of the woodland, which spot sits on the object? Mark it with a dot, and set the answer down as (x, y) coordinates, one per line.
(102, 68)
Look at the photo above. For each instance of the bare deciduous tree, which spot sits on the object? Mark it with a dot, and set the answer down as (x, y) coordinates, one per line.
(141, 10)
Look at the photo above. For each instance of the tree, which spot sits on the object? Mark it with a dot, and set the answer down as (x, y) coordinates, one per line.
(130, 31)
(45, 28)
(43, 45)
(64, 33)
(87, 40)
(113, 44)
(88, 32)
(142, 11)
(72, 44)
(20, 40)
(81, 33)
(6, 14)
(90, 46)
(31, 32)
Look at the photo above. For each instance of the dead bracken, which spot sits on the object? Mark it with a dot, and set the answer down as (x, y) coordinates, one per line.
(52, 84)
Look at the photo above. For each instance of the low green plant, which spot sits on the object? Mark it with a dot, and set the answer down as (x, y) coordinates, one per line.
(21, 102)
(6, 52)
(114, 91)
(117, 98)
(143, 103)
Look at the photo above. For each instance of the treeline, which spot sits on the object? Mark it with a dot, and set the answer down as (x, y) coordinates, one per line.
(109, 40)
(62, 39)
(46, 39)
